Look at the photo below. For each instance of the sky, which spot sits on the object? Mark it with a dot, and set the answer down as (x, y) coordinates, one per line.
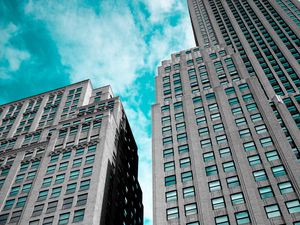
(52, 43)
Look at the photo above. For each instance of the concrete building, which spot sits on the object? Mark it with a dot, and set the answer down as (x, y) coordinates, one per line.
(226, 119)
(68, 157)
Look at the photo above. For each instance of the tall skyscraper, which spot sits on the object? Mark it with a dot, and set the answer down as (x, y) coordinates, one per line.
(227, 118)
(68, 157)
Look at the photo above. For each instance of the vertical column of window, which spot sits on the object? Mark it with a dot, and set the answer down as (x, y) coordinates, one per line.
(204, 78)
(286, 132)
(72, 102)
(9, 119)
(235, 42)
(270, 56)
(220, 72)
(176, 77)
(292, 11)
(50, 110)
(293, 110)
(272, 79)
(28, 117)
(166, 87)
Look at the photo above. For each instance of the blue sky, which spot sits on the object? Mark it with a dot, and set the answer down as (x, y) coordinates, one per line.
(49, 44)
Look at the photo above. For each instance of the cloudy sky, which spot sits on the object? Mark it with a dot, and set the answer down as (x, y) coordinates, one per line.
(49, 44)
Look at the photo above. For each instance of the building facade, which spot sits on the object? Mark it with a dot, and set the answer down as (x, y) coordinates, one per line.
(68, 157)
(226, 120)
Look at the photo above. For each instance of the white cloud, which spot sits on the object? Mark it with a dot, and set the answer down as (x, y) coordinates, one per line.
(9, 54)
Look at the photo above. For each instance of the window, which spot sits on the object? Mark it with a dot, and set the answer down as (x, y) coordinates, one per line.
(63, 166)
(66, 155)
(197, 99)
(254, 160)
(208, 156)
(90, 159)
(52, 207)
(170, 180)
(15, 217)
(9, 204)
(244, 133)
(236, 111)
(71, 188)
(165, 120)
(21, 202)
(186, 176)
(265, 142)
(229, 91)
(167, 140)
(265, 192)
(190, 209)
(256, 117)
(224, 152)
(34, 222)
(84, 185)
(240, 121)
(50, 169)
(210, 96)
(64, 218)
(211, 170)
(179, 116)
(14, 191)
(188, 192)
(42, 195)
(47, 182)
(92, 148)
(193, 223)
(285, 187)
(215, 116)
(199, 111)
(82, 199)
(59, 178)
(293, 206)
(260, 175)
(221, 139)
(214, 186)
(237, 198)
(87, 171)
(172, 213)
(68, 202)
(55, 192)
(233, 182)
(278, 171)
(185, 162)
(272, 155)
(171, 196)
(77, 162)
(169, 166)
(48, 220)
(218, 203)
(3, 218)
(203, 131)
(243, 87)
(229, 166)
(201, 121)
(26, 188)
(242, 217)
(272, 211)
(78, 215)
(233, 101)
(222, 220)
(261, 129)
(31, 175)
(205, 143)
(251, 107)
(168, 152)
(249, 146)
(74, 174)
(213, 107)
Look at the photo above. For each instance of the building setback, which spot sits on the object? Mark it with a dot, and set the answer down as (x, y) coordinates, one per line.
(226, 119)
(68, 156)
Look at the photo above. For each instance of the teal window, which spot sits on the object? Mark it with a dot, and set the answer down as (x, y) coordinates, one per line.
(293, 206)
(177, 105)
(171, 196)
(197, 99)
(169, 166)
(24, 167)
(201, 120)
(224, 152)
(63, 218)
(59, 178)
(285, 187)
(278, 171)
(240, 121)
(26, 188)
(54, 158)
(254, 160)
(230, 90)
(179, 116)
(205, 143)
(236, 111)
(182, 137)
(167, 140)
(92, 148)
(185, 162)
(211, 170)
(199, 111)
(74, 175)
(210, 96)
(222, 220)
(168, 152)
(165, 108)
(221, 139)
(50, 169)
(272, 211)
(203, 131)
(183, 149)
(87, 171)
(78, 215)
(82, 199)
(272, 155)
(43, 195)
(260, 175)
(170, 180)
(84, 185)
(228, 166)
(256, 117)
(14, 191)
(242, 217)
(243, 87)
(66, 155)
(63, 166)
(249, 146)
(166, 120)
(21, 202)
(218, 203)
(233, 101)
(35, 164)
(56, 192)
(233, 182)
(218, 127)
(215, 116)
(47, 182)
(214, 185)
(266, 192)
(244, 133)
(77, 162)
(71, 188)
(209, 156)
(188, 192)
(261, 129)
(247, 98)
(237, 198)
(213, 107)
(31, 175)
(9, 204)
(251, 107)
(186, 176)
(90, 159)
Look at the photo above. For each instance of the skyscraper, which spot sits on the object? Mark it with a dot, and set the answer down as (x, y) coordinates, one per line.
(68, 157)
(226, 119)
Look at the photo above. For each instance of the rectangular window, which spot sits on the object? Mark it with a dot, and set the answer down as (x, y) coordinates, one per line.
(201, 121)
(55, 192)
(67, 203)
(213, 107)
(52, 207)
(249, 146)
(208, 156)
(251, 107)
(169, 166)
(244, 133)
(265, 192)
(240, 121)
(168, 152)
(167, 140)
(285, 187)
(190, 209)
(63, 218)
(272, 155)
(222, 220)
(293, 206)
(74, 174)
(233, 182)
(228, 166)
(242, 218)
(43, 195)
(59, 178)
(71, 188)
(82, 199)
(205, 143)
(47, 182)
(214, 186)
(9, 204)
(256, 117)
(84, 185)
(63, 166)
(188, 192)
(237, 198)
(203, 131)
(87, 171)
(181, 137)
(215, 116)
(278, 171)
(199, 111)
(185, 162)
(21, 202)
(211, 170)
(224, 152)
(92, 148)
(266, 142)
(179, 116)
(171, 196)
(236, 111)
(218, 203)
(260, 175)
(78, 215)
(186, 176)
(172, 213)
(272, 211)
(170, 180)
(90, 159)
(221, 139)
(261, 129)
(254, 160)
